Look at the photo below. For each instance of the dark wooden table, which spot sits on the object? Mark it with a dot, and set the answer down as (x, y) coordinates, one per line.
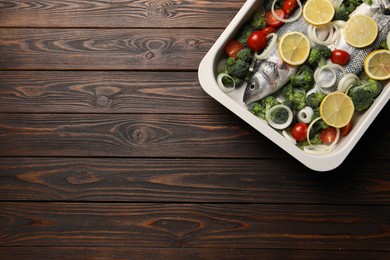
(110, 149)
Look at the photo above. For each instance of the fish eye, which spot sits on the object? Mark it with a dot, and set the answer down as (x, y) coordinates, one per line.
(252, 86)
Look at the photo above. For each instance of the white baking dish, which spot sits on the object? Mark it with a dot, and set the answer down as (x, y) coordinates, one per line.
(233, 101)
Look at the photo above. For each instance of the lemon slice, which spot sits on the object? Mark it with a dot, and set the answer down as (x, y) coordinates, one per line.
(337, 109)
(388, 40)
(294, 48)
(377, 64)
(318, 12)
(360, 30)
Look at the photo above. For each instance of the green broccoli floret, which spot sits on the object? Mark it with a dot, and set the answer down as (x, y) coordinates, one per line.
(230, 61)
(268, 5)
(319, 125)
(260, 108)
(318, 55)
(245, 55)
(244, 35)
(297, 98)
(373, 86)
(343, 11)
(258, 21)
(237, 68)
(383, 44)
(269, 102)
(361, 99)
(314, 99)
(316, 112)
(363, 96)
(316, 139)
(303, 78)
(287, 91)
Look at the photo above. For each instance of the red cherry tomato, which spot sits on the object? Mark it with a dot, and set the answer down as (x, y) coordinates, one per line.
(272, 21)
(345, 130)
(233, 47)
(328, 135)
(339, 57)
(299, 131)
(289, 6)
(257, 41)
(267, 30)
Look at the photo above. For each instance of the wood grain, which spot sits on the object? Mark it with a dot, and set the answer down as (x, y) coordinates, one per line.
(149, 135)
(104, 49)
(110, 148)
(124, 135)
(191, 180)
(118, 13)
(104, 92)
(103, 253)
(195, 226)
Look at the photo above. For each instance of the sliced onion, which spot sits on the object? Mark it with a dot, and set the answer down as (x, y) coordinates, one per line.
(333, 33)
(276, 125)
(329, 87)
(348, 81)
(339, 23)
(280, 99)
(222, 86)
(322, 148)
(264, 54)
(305, 115)
(289, 137)
(291, 19)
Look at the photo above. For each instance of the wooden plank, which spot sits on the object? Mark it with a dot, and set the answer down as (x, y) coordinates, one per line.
(127, 135)
(119, 13)
(192, 180)
(104, 92)
(195, 226)
(104, 49)
(100, 253)
(154, 135)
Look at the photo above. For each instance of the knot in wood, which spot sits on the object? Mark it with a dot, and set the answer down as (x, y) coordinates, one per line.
(149, 55)
(141, 135)
(164, 9)
(103, 101)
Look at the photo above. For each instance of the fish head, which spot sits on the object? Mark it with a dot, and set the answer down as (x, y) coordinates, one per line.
(257, 88)
(261, 82)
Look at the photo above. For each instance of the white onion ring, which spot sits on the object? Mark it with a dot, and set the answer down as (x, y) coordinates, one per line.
(348, 81)
(264, 54)
(289, 137)
(332, 67)
(289, 20)
(333, 34)
(323, 148)
(305, 115)
(222, 86)
(339, 23)
(275, 125)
